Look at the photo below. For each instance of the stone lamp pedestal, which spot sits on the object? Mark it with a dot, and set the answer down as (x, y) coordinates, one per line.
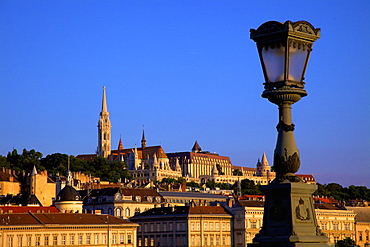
(289, 217)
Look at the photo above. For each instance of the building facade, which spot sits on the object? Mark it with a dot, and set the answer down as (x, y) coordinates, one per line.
(55, 229)
(175, 198)
(121, 202)
(9, 184)
(362, 225)
(40, 185)
(262, 174)
(146, 164)
(196, 163)
(191, 226)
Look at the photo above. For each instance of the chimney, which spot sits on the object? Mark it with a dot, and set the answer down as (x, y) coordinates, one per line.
(229, 203)
(183, 186)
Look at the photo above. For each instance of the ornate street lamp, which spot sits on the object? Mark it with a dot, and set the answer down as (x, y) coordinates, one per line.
(289, 215)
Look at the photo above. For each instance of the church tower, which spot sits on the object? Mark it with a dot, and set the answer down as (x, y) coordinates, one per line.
(104, 126)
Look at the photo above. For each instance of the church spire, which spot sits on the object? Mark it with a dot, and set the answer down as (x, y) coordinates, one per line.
(104, 107)
(143, 140)
(69, 174)
(104, 129)
(120, 146)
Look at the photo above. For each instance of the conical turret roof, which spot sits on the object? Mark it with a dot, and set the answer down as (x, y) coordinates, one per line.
(196, 148)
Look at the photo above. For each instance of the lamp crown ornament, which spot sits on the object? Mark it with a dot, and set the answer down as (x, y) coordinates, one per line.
(284, 50)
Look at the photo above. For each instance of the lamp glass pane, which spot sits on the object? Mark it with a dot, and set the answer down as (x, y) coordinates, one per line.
(274, 61)
(297, 60)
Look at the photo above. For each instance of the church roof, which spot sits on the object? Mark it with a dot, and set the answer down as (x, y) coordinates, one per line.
(68, 193)
(143, 153)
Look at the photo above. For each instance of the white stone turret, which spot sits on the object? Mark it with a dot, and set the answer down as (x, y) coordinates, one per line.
(214, 170)
(263, 167)
(177, 167)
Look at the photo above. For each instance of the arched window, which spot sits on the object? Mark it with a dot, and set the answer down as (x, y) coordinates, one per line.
(127, 212)
(110, 211)
(118, 212)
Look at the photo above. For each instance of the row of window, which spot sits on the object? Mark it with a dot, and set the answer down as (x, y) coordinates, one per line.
(211, 226)
(162, 227)
(210, 240)
(335, 226)
(71, 239)
(211, 160)
(179, 240)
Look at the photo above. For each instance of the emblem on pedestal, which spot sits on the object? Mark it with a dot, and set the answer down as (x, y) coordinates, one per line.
(302, 211)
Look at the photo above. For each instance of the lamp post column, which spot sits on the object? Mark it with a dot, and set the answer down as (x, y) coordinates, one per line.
(286, 155)
(289, 218)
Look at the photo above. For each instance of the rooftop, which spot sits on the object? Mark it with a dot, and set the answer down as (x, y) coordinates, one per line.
(24, 219)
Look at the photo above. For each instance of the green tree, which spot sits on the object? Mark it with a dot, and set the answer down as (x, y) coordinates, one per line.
(55, 163)
(108, 171)
(321, 190)
(347, 242)
(211, 184)
(223, 186)
(193, 184)
(237, 172)
(248, 187)
(169, 181)
(25, 161)
(219, 169)
(4, 162)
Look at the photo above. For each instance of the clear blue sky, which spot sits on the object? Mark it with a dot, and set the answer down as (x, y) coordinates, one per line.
(188, 71)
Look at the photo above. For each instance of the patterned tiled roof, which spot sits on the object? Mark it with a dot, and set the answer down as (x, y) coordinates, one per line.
(25, 209)
(143, 153)
(362, 213)
(88, 157)
(243, 168)
(247, 203)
